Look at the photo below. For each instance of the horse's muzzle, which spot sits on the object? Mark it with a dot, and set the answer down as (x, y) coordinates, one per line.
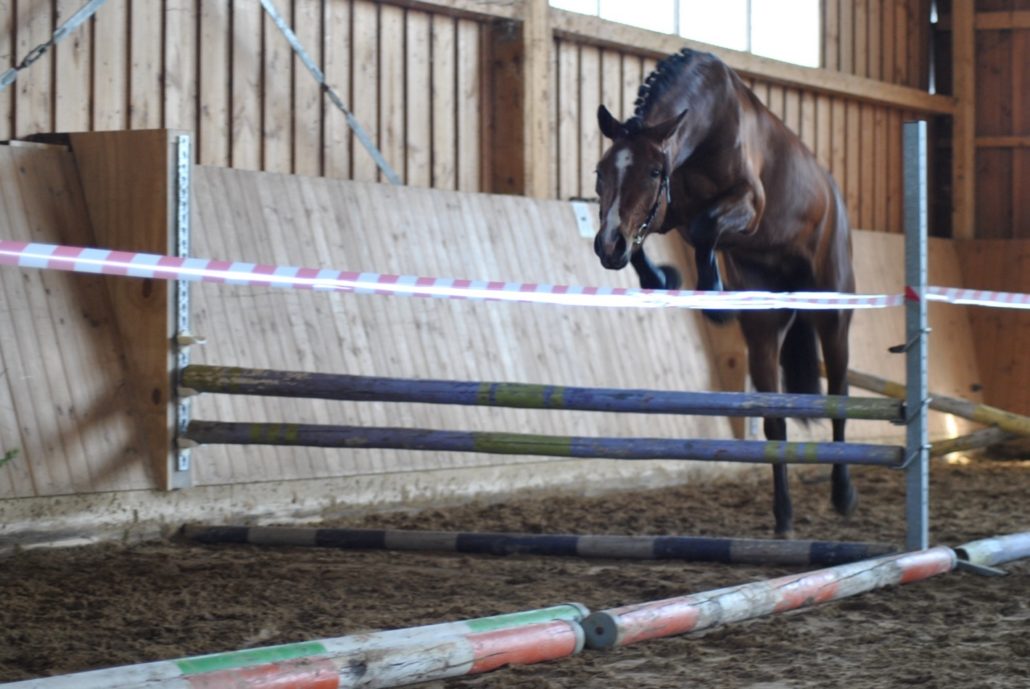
(617, 258)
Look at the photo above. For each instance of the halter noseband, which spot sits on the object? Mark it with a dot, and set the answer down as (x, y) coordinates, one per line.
(641, 232)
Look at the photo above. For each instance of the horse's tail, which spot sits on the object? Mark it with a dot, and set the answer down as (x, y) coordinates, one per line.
(799, 357)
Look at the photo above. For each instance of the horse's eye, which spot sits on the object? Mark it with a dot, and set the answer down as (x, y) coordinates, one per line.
(656, 172)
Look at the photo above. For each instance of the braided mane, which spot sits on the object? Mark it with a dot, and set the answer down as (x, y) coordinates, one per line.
(656, 85)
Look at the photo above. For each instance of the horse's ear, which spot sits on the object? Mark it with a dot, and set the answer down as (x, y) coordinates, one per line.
(663, 130)
(610, 126)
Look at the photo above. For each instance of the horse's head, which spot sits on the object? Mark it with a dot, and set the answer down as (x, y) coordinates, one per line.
(632, 185)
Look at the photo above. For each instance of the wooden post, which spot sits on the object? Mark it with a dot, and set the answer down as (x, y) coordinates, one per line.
(128, 181)
(538, 41)
(516, 141)
(963, 164)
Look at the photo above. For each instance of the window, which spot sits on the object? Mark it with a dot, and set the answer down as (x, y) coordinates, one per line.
(787, 30)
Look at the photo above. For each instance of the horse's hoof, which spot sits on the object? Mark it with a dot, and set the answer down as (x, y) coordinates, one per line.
(845, 502)
(785, 535)
(671, 277)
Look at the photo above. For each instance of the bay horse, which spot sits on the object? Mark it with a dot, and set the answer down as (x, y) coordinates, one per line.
(703, 156)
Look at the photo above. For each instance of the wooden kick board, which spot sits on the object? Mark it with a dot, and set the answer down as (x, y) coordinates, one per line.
(264, 217)
(292, 220)
(66, 396)
(67, 403)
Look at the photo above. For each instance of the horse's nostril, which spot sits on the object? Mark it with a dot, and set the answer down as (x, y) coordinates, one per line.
(620, 246)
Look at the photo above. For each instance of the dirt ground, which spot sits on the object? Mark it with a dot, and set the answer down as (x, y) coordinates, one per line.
(76, 609)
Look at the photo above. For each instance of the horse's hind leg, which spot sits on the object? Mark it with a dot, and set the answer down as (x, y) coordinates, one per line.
(652, 276)
(832, 327)
(762, 332)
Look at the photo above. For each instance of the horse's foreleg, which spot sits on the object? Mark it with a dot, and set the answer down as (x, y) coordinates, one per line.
(652, 276)
(833, 335)
(761, 331)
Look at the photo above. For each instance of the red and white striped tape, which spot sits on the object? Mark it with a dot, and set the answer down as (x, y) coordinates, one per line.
(155, 266)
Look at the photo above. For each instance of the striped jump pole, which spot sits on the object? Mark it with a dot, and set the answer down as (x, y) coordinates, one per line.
(997, 550)
(1010, 422)
(689, 548)
(361, 437)
(672, 616)
(380, 659)
(326, 386)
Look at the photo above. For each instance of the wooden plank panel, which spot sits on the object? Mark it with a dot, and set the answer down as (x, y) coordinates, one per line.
(775, 102)
(75, 426)
(824, 131)
(71, 74)
(880, 173)
(469, 105)
(110, 67)
(1000, 265)
(632, 78)
(180, 73)
(245, 123)
(888, 26)
(993, 191)
(215, 52)
(901, 34)
(1020, 125)
(277, 80)
(146, 29)
(568, 120)
(807, 120)
(895, 184)
(445, 135)
(34, 89)
(126, 180)
(7, 60)
(852, 160)
(590, 135)
(38, 437)
(792, 110)
(419, 93)
(391, 87)
(861, 41)
(337, 153)
(366, 83)
(831, 35)
(868, 168)
(847, 17)
(875, 52)
(308, 104)
(839, 143)
(611, 87)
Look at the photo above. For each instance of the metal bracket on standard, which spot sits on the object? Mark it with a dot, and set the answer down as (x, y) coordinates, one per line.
(181, 474)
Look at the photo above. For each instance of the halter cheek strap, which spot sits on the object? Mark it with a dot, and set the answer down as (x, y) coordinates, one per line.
(663, 190)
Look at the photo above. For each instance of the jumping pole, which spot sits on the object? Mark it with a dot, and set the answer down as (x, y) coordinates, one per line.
(917, 455)
(672, 616)
(363, 437)
(380, 659)
(327, 386)
(688, 548)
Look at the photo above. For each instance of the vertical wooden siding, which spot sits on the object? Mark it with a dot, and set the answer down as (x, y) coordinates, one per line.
(415, 79)
(220, 68)
(1002, 127)
(886, 40)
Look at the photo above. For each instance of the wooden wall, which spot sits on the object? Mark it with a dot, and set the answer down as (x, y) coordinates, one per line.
(998, 38)
(70, 400)
(440, 85)
(885, 40)
(1001, 265)
(221, 69)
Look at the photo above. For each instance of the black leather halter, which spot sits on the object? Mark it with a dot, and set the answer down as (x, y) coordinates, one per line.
(641, 232)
